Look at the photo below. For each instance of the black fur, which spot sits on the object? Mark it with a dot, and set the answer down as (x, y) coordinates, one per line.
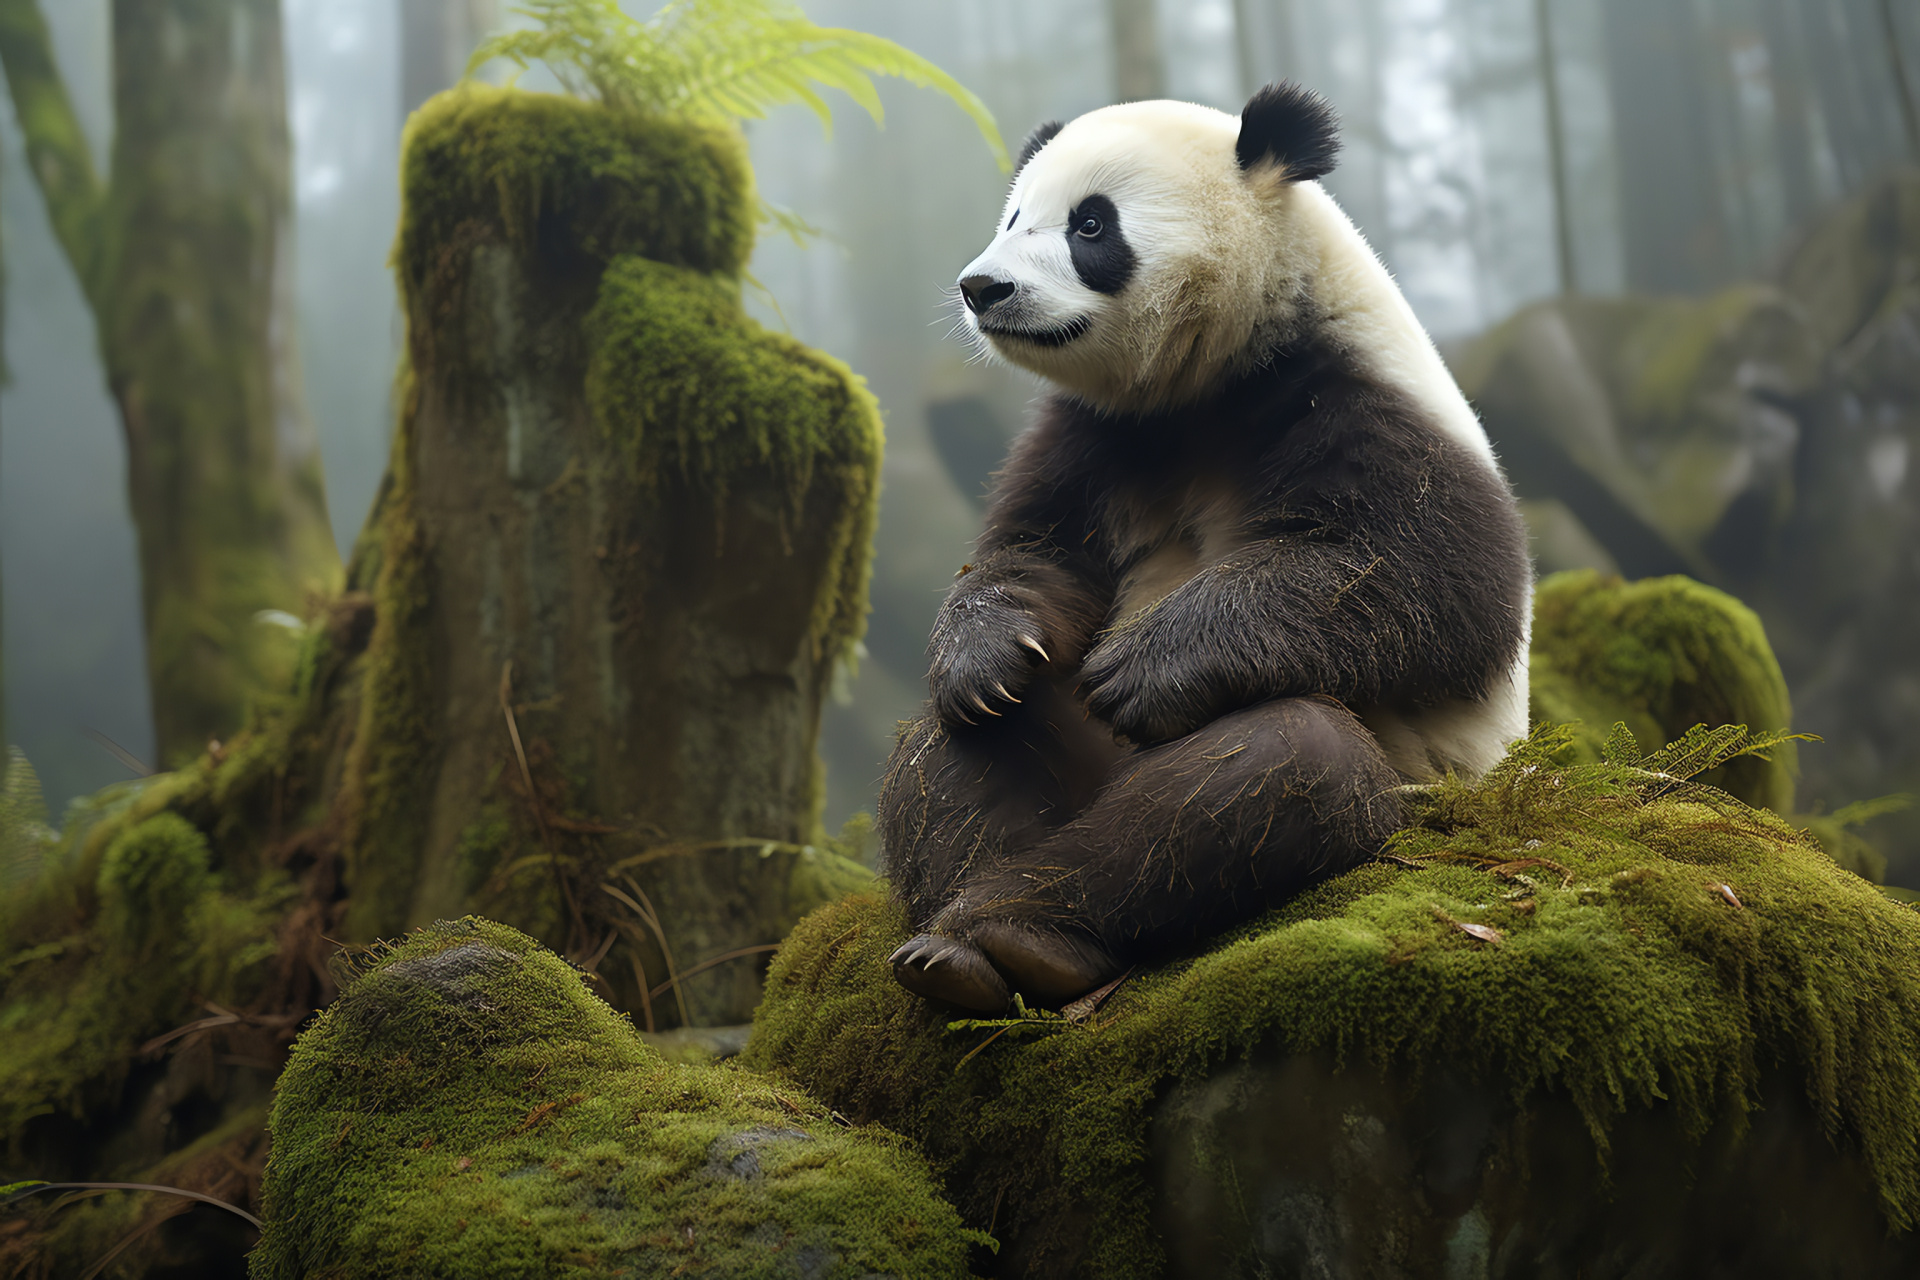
(1379, 564)
(1040, 137)
(1290, 125)
(1102, 258)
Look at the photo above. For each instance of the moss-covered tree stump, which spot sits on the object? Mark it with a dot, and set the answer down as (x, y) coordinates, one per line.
(623, 544)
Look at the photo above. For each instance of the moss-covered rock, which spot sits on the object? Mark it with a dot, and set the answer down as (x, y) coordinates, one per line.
(467, 1107)
(1602, 937)
(1660, 655)
(1655, 421)
(1760, 440)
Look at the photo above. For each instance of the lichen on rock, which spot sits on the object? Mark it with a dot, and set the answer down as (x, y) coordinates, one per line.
(468, 1107)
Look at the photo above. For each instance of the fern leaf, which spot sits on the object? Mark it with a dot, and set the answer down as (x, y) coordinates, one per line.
(25, 836)
(1702, 749)
(738, 58)
(1622, 747)
(1860, 811)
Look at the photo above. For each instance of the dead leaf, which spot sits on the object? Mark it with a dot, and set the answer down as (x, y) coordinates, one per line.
(1085, 1007)
(1484, 932)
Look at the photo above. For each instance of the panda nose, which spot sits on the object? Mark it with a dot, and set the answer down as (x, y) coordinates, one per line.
(984, 292)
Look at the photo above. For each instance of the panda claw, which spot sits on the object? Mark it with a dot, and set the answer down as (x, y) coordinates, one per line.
(1001, 689)
(1034, 645)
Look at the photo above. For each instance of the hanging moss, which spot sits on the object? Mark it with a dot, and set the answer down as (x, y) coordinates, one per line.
(1660, 655)
(687, 386)
(1624, 978)
(468, 1107)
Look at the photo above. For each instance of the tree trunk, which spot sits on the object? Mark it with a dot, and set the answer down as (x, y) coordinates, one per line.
(1902, 79)
(185, 259)
(1670, 212)
(1568, 272)
(1139, 71)
(1792, 107)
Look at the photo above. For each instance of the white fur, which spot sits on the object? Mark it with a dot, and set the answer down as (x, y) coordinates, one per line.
(1229, 263)
(1465, 736)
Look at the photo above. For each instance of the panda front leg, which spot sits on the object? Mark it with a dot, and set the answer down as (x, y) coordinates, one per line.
(1184, 840)
(961, 803)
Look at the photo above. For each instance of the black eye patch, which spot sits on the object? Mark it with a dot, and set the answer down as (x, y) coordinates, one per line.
(1101, 256)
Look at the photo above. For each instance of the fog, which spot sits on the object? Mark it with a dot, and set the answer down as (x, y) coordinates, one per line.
(1693, 145)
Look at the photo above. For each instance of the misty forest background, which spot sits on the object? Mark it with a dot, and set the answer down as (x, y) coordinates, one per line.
(1500, 154)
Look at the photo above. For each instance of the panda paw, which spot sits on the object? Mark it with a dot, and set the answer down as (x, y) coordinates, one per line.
(1048, 967)
(952, 971)
(1142, 694)
(983, 655)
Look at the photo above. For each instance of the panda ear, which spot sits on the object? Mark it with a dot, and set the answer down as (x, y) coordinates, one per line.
(1292, 126)
(1039, 138)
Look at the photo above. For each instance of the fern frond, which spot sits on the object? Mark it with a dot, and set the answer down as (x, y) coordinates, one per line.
(1860, 811)
(788, 223)
(1702, 749)
(1621, 747)
(25, 836)
(738, 58)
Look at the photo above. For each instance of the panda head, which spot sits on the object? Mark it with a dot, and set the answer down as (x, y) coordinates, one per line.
(1150, 250)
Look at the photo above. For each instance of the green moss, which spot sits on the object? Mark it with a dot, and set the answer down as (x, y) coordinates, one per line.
(610, 183)
(154, 876)
(161, 931)
(1673, 344)
(389, 768)
(1626, 980)
(484, 844)
(467, 1106)
(1660, 655)
(686, 385)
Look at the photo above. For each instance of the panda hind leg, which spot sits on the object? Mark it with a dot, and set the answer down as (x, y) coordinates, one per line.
(1187, 839)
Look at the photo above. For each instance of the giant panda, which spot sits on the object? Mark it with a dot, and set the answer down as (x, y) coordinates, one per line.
(1252, 567)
